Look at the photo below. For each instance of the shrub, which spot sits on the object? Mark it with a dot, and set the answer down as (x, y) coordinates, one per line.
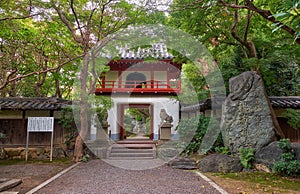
(66, 121)
(291, 168)
(288, 164)
(285, 145)
(192, 131)
(293, 117)
(246, 156)
(223, 150)
(85, 158)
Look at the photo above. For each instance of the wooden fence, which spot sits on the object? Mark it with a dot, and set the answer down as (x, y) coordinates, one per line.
(15, 131)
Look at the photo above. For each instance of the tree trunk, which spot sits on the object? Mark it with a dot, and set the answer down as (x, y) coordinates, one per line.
(278, 131)
(78, 152)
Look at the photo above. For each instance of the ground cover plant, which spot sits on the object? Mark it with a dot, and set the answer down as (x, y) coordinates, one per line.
(288, 164)
(256, 182)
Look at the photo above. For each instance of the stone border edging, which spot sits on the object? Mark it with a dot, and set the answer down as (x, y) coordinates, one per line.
(35, 189)
(213, 184)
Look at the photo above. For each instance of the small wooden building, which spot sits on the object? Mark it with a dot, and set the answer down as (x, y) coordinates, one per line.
(14, 113)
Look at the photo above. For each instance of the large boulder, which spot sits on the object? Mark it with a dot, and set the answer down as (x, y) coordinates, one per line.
(296, 148)
(220, 163)
(246, 118)
(269, 154)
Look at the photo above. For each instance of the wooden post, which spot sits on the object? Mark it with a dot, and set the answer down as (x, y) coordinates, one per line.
(51, 146)
(27, 142)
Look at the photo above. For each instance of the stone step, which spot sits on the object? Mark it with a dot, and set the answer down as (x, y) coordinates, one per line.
(131, 154)
(126, 150)
(131, 158)
(136, 141)
(133, 150)
(134, 146)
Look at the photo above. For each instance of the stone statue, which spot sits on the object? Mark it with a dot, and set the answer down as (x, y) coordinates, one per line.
(165, 118)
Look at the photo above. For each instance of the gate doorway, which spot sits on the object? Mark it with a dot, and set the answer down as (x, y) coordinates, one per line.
(135, 121)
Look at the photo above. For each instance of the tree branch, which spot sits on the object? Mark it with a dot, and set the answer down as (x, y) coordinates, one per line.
(76, 18)
(19, 18)
(67, 23)
(19, 77)
(249, 16)
(234, 6)
(248, 44)
(264, 13)
(269, 16)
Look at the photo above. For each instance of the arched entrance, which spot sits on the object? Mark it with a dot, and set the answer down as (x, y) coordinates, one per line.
(134, 132)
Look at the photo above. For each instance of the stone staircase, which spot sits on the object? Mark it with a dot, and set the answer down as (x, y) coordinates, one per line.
(99, 147)
(132, 149)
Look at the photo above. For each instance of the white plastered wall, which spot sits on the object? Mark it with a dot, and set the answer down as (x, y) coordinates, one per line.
(169, 104)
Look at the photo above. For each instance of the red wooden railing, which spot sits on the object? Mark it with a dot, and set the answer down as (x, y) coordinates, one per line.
(157, 86)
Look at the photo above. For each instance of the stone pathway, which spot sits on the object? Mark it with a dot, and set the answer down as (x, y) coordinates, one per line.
(97, 176)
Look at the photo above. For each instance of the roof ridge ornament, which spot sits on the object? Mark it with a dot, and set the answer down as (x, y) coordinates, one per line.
(156, 50)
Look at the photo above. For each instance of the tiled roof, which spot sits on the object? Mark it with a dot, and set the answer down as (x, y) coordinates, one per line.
(285, 102)
(33, 103)
(157, 51)
(277, 102)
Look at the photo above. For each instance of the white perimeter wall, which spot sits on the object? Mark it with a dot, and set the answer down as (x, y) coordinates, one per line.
(169, 104)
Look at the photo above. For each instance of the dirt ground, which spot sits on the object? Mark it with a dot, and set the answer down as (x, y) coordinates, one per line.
(36, 173)
(31, 174)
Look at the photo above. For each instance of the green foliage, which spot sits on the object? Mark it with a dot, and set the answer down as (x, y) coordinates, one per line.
(66, 121)
(193, 80)
(85, 158)
(141, 115)
(293, 117)
(288, 164)
(285, 145)
(104, 104)
(247, 157)
(287, 156)
(223, 150)
(277, 58)
(192, 131)
(44, 52)
(232, 65)
(280, 73)
(290, 168)
(196, 128)
(288, 13)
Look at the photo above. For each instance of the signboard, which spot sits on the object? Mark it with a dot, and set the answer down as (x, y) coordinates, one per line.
(40, 124)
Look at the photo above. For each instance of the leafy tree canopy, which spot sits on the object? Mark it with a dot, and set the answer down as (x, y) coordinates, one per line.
(243, 35)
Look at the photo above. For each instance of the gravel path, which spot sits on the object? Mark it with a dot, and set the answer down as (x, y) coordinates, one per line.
(97, 176)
